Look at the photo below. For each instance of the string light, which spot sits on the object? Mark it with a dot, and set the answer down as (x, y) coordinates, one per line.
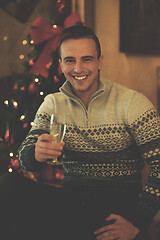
(36, 80)
(21, 56)
(22, 117)
(41, 93)
(24, 42)
(54, 26)
(15, 104)
(32, 123)
(11, 154)
(10, 170)
(31, 42)
(6, 102)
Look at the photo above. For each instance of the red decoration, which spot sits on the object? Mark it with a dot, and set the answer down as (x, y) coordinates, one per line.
(22, 88)
(60, 5)
(15, 87)
(25, 125)
(48, 65)
(14, 165)
(8, 137)
(42, 31)
(31, 63)
(56, 80)
(32, 88)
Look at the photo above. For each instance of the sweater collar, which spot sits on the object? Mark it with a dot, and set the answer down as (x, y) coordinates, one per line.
(104, 88)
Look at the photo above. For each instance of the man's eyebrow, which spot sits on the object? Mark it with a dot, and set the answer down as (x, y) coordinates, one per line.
(88, 57)
(84, 57)
(69, 57)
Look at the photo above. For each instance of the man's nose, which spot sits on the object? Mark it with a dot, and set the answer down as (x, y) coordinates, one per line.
(78, 67)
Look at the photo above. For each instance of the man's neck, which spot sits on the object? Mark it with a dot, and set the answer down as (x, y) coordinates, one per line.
(85, 96)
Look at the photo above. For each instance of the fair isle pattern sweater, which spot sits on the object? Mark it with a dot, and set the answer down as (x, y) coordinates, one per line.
(106, 143)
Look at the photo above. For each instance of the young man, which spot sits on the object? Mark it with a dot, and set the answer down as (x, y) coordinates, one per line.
(110, 131)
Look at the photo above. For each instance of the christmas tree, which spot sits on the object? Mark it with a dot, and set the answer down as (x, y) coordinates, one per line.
(42, 76)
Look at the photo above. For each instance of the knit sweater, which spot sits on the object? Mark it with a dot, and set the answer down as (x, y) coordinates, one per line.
(106, 143)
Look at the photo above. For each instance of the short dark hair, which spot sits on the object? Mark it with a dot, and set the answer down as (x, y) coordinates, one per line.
(78, 32)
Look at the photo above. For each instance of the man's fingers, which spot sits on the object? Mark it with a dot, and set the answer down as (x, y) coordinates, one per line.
(46, 148)
(104, 229)
(46, 137)
(113, 217)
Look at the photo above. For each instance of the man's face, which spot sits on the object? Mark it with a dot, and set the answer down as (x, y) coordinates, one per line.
(80, 64)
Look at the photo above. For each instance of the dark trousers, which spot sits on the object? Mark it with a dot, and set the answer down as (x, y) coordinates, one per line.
(31, 210)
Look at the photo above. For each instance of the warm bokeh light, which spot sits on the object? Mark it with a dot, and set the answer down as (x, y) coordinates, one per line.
(6, 102)
(31, 42)
(15, 104)
(24, 42)
(11, 154)
(36, 80)
(10, 170)
(5, 38)
(21, 56)
(22, 117)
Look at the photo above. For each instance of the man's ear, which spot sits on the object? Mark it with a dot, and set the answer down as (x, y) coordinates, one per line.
(61, 65)
(100, 61)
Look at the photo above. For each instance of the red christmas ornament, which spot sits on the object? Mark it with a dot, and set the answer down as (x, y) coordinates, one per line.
(22, 88)
(60, 5)
(25, 125)
(8, 137)
(31, 63)
(15, 87)
(56, 80)
(15, 163)
(7, 134)
(32, 88)
(48, 65)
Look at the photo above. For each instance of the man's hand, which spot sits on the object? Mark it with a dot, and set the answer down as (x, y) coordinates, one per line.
(121, 229)
(45, 148)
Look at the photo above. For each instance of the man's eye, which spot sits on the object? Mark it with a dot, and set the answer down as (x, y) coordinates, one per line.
(69, 60)
(87, 59)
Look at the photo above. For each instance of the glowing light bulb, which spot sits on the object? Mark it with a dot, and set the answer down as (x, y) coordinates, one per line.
(31, 42)
(6, 102)
(10, 170)
(11, 154)
(22, 117)
(21, 56)
(24, 42)
(15, 104)
(54, 26)
(5, 38)
(41, 93)
(36, 80)
(32, 123)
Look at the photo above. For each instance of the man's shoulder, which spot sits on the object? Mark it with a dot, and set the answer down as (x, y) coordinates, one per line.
(51, 96)
(118, 88)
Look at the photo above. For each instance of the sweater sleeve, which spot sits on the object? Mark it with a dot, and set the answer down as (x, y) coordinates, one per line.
(145, 127)
(26, 152)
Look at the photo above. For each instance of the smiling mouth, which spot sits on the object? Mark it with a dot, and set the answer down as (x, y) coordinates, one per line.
(80, 78)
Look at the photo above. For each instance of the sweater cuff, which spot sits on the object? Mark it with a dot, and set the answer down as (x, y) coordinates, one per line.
(27, 159)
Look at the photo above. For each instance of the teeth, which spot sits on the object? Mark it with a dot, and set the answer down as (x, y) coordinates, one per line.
(80, 78)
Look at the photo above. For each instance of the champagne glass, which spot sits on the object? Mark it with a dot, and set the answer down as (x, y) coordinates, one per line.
(57, 129)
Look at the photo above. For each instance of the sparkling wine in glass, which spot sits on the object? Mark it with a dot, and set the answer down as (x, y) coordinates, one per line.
(57, 129)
